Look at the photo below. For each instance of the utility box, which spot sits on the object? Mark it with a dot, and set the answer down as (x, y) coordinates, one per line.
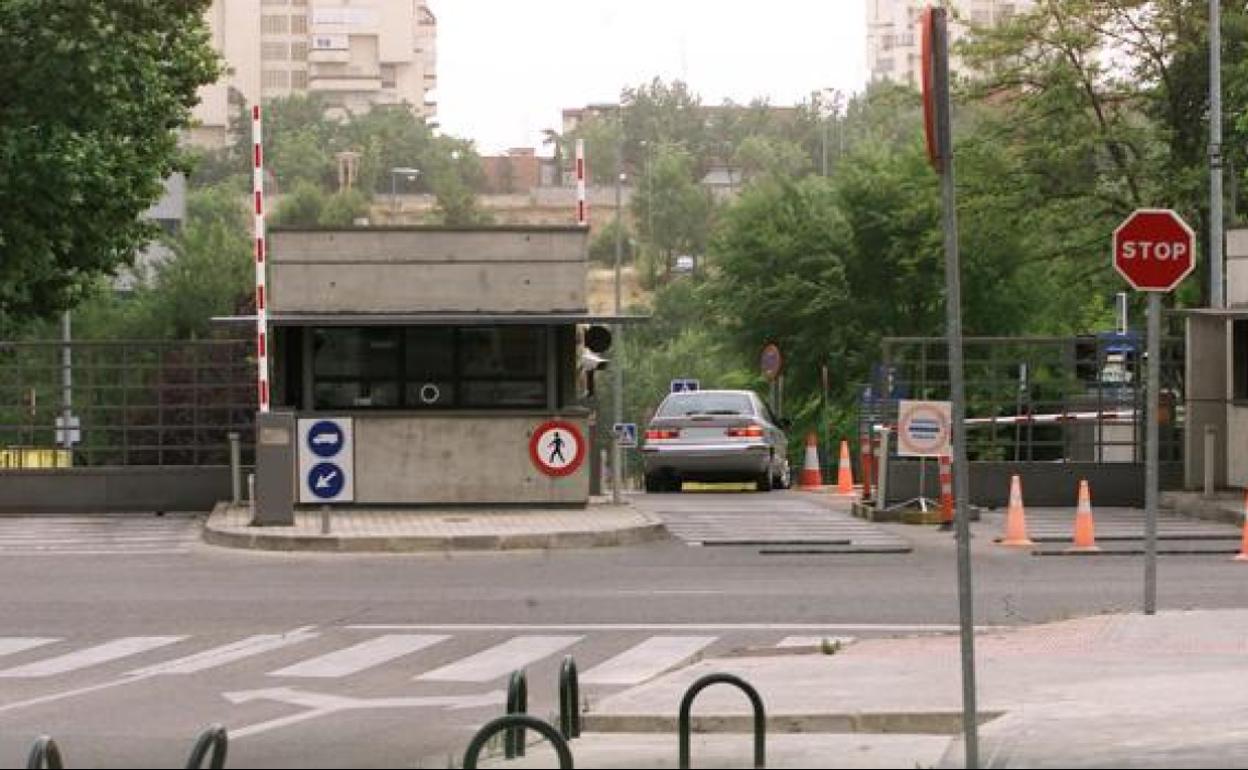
(454, 352)
(275, 478)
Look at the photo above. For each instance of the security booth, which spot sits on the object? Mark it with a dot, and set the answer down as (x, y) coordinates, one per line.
(446, 359)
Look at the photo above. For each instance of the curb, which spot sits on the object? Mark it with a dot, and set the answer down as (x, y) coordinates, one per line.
(264, 541)
(920, 722)
(1196, 506)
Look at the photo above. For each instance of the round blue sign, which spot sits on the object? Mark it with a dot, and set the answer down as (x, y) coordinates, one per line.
(325, 438)
(326, 480)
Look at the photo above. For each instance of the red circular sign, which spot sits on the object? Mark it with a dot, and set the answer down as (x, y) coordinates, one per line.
(1154, 249)
(557, 448)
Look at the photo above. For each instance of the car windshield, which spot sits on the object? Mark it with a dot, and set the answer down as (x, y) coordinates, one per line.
(686, 404)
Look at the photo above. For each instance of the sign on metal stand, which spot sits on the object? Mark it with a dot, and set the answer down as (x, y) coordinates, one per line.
(1154, 250)
(940, 151)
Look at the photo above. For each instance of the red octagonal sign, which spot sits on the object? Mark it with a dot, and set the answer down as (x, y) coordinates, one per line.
(1154, 249)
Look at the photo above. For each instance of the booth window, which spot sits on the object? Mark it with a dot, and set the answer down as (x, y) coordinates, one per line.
(430, 367)
(1239, 359)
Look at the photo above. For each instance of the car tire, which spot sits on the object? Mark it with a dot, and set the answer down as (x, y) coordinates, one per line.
(764, 481)
(785, 479)
(654, 483)
(674, 484)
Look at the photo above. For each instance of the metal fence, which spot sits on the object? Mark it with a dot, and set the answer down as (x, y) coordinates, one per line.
(128, 403)
(1040, 399)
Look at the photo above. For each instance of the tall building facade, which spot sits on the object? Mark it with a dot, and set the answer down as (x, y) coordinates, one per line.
(353, 53)
(893, 45)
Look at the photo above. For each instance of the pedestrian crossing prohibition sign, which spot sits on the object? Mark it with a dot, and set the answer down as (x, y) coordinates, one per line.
(557, 448)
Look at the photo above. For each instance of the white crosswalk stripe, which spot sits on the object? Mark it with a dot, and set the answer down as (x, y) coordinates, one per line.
(647, 659)
(97, 535)
(360, 657)
(91, 656)
(773, 522)
(500, 660)
(226, 654)
(14, 644)
(815, 641)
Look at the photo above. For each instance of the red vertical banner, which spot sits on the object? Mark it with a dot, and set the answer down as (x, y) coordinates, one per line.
(927, 54)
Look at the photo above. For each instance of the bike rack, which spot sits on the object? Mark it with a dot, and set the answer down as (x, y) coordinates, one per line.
(517, 722)
(760, 717)
(44, 754)
(569, 700)
(517, 704)
(213, 737)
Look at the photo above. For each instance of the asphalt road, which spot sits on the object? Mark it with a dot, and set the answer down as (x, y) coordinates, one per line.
(124, 651)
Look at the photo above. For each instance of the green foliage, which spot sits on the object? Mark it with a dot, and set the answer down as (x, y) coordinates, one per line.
(672, 211)
(342, 209)
(93, 95)
(303, 207)
(602, 247)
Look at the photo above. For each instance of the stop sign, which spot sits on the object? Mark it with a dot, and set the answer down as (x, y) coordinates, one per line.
(1154, 249)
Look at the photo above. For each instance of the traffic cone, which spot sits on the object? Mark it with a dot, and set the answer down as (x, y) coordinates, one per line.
(1016, 517)
(1243, 548)
(946, 493)
(812, 477)
(1085, 529)
(845, 474)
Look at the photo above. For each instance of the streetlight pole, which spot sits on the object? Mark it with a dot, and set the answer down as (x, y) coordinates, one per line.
(617, 382)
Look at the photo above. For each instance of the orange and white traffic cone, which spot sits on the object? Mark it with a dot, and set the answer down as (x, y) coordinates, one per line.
(845, 473)
(1243, 548)
(1016, 517)
(946, 493)
(812, 477)
(1085, 529)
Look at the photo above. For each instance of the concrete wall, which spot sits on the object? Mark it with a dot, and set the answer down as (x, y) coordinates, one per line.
(1207, 389)
(427, 270)
(121, 489)
(476, 458)
(1044, 484)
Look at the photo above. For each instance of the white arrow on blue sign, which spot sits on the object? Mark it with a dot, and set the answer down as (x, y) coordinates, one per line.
(326, 460)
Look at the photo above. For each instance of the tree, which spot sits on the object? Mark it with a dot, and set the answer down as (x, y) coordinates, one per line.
(672, 211)
(92, 94)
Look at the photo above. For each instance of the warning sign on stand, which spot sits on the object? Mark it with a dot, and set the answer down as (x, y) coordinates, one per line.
(923, 428)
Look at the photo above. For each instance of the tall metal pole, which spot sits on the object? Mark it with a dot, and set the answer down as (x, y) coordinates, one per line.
(1216, 290)
(617, 386)
(1150, 453)
(957, 387)
(67, 380)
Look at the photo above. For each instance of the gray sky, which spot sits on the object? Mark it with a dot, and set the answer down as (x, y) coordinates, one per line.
(507, 67)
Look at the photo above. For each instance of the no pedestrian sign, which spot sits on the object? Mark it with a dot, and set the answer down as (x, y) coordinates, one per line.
(557, 448)
(923, 428)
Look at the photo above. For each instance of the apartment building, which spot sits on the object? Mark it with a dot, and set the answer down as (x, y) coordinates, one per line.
(353, 53)
(893, 43)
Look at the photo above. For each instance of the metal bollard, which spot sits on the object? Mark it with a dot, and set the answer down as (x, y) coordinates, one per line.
(569, 700)
(684, 724)
(215, 738)
(236, 469)
(324, 519)
(44, 754)
(1211, 459)
(517, 705)
(251, 489)
(881, 465)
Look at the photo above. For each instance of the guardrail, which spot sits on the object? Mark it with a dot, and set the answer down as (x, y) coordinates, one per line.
(516, 722)
(44, 754)
(213, 738)
(569, 700)
(517, 705)
(760, 716)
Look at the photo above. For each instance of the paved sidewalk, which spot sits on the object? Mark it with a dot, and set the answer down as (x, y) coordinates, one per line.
(397, 530)
(1106, 691)
(1226, 506)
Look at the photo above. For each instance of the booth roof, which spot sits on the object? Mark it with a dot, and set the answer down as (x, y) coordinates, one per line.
(435, 319)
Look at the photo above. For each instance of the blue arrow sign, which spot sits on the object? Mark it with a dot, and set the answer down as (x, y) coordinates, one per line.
(325, 480)
(325, 438)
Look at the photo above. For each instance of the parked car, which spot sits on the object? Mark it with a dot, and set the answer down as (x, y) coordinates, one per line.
(715, 435)
(685, 263)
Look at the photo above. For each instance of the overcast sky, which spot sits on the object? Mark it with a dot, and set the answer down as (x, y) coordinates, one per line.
(506, 68)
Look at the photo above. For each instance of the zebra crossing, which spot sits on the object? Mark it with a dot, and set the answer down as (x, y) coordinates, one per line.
(98, 535)
(607, 659)
(1056, 525)
(774, 522)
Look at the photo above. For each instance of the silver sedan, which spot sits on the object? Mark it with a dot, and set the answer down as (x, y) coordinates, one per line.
(715, 435)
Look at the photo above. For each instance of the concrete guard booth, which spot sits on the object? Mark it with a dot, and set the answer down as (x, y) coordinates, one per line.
(454, 352)
(1216, 373)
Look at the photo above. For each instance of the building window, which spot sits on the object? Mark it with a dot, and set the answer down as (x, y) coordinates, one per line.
(299, 51)
(299, 79)
(388, 77)
(430, 367)
(275, 79)
(274, 25)
(1239, 359)
(274, 2)
(274, 51)
(299, 25)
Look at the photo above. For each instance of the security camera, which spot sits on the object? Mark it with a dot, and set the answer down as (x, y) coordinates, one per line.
(592, 362)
